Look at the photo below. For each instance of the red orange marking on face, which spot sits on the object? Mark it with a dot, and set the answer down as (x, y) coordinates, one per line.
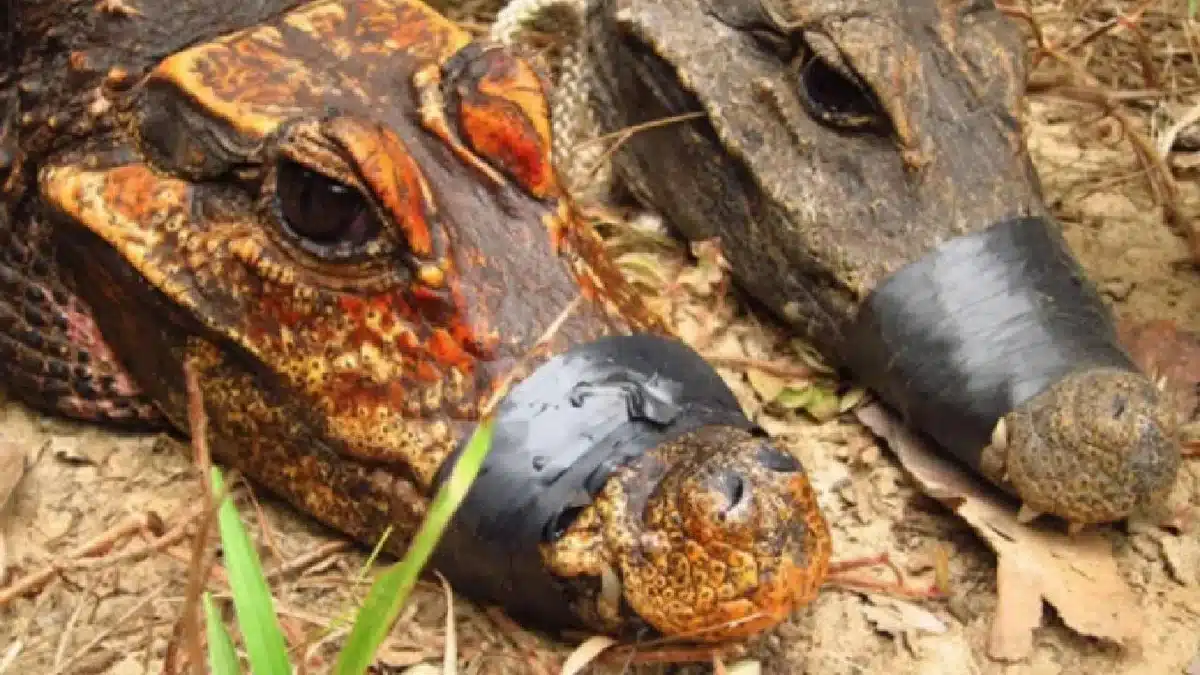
(504, 117)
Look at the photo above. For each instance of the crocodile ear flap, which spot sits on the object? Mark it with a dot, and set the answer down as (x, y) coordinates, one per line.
(499, 103)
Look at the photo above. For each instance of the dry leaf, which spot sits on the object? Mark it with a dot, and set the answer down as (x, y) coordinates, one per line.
(12, 469)
(642, 268)
(450, 650)
(822, 403)
(710, 269)
(747, 667)
(1078, 575)
(585, 653)
(1163, 351)
(810, 357)
(10, 656)
(401, 658)
(825, 404)
(1182, 555)
(767, 386)
(851, 399)
(898, 617)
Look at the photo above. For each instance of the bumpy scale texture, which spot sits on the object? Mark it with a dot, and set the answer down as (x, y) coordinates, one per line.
(342, 216)
(828, 144)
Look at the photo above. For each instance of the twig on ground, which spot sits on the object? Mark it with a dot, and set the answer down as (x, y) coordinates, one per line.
(1082, 86)
(64, 640)
(308, 559)
(1167, 140)
(450, 649)
(264, 525)
(119, 624)
(838, 579)
(156, 545)
(3, 560)
(776, 368)
(100, 544)
(10, 656)
(621, 136)
(189, 626)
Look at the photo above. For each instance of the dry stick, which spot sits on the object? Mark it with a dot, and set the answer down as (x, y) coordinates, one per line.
(3, 559)
(885, 588)
(10, 657)
(157, 545)
(450, 648)
(669, 656)
(216, 573)
(264, 525)
(116, 625)
(1162, 181)
(201, 560)
(64, 640)
(785, 370)
(621, 136)
(148, 652)
(1149, 68)
(841, 566)
(308, 559)
(1126, 21)
(1159, 173)
(838, 579)
(1167, 140)
(103, 542)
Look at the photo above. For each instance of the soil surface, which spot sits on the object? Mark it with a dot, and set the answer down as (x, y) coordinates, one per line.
(115, 613)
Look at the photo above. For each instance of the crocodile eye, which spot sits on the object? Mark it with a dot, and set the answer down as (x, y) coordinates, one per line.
(328, 218)
(836, 97)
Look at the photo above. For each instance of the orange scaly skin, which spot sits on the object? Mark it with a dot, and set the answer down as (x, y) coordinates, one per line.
(342, 215)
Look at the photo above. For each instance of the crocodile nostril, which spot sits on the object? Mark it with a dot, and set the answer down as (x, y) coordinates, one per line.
(777, 460)
(1119, 405)
(733, 487)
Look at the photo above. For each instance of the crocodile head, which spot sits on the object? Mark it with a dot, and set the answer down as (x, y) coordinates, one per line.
(343, 220)
(830, 144)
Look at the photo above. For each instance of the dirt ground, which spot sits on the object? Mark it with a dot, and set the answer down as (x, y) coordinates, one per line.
(115, 613)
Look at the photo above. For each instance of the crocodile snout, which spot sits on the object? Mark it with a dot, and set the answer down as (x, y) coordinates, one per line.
(1098, 446)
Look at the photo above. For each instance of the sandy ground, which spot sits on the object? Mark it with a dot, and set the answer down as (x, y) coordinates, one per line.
(116, 615)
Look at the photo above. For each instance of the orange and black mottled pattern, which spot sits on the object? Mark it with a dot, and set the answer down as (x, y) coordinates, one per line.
(343, 218)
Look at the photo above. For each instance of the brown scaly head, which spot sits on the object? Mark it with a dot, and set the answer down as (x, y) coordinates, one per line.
(343, 218)
(832, 145)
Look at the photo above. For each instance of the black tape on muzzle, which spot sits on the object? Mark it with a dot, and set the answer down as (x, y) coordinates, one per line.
(977, 327)
(558, 436)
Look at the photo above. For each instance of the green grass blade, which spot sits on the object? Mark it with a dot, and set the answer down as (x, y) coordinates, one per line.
(391, 589)
(222, 659)
(251, 596)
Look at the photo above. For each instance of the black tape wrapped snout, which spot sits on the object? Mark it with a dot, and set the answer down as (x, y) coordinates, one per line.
(559, 435)
(976, 328)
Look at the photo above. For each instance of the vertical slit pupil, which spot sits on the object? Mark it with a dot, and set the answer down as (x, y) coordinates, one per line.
(320, 209)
